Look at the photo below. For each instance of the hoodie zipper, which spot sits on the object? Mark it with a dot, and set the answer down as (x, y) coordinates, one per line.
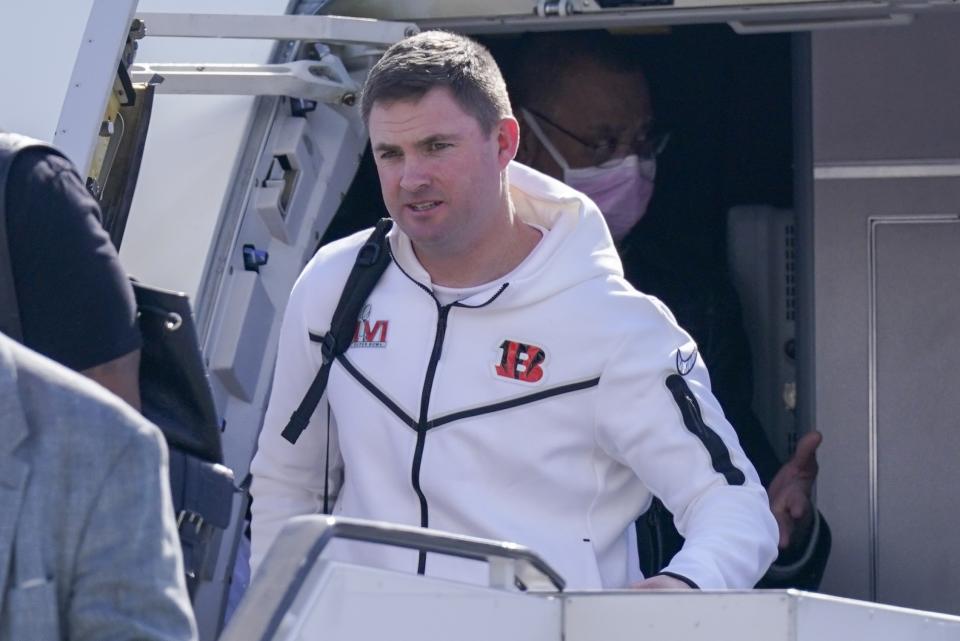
(422, 426)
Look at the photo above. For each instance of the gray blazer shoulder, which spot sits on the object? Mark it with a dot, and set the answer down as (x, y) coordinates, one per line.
(93, 551)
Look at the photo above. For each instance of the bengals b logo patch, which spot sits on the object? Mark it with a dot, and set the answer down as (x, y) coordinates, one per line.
(521, 362)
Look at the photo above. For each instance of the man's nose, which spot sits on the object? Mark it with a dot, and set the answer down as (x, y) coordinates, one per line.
(621, 151)
(626, 147)
(414, 176)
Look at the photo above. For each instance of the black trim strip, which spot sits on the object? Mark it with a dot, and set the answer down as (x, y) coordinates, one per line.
(422, 426)
(412, 279)
(679, 577)
(457, 303)
(456, 416)
(514, 402)
(502, 289)
(693, 419)
(373, 389)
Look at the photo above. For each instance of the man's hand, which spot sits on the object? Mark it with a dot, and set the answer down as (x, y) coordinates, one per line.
(790, 492)
(660, 582)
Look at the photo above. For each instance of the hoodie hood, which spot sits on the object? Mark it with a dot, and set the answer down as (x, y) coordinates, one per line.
(576, 248)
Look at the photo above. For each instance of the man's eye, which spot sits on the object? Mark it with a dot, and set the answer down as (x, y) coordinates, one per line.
(387, 155)
(439, 146)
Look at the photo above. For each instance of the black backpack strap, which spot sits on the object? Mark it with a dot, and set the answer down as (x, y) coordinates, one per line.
(372, 261)
(10, 146)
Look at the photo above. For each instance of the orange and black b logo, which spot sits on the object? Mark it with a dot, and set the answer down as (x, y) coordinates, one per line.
(521, 361)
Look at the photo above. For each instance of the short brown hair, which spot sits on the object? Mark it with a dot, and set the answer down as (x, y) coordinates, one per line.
(415, 65)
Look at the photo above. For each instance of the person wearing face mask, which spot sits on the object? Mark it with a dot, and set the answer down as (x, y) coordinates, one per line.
(620, 185)
(586, 118)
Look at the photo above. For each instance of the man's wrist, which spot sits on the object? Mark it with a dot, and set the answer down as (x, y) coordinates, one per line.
(794, 558)
(679, 577)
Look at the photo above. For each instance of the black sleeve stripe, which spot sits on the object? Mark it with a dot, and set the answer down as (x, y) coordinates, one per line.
(679, 577)
(693, 419)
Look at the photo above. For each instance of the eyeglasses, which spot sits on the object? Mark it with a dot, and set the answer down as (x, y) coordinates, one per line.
(647, 144)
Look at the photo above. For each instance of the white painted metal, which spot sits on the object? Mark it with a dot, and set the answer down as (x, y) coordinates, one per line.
(236, 359)
(243, 309)
(745, 616)
(329, 29)
(299, 593)
(447, 9)
(339, 601)
(324, 80)
(518, 15)
(92, 80)
(822, 618)
(274, 194)
(35, 77)
(52, 96)
(678, 616)
(191, 154)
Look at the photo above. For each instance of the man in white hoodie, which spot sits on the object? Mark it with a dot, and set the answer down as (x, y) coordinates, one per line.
(504, 381)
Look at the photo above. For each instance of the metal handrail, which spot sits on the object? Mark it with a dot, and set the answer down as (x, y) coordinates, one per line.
(427, 540)
(508, 561)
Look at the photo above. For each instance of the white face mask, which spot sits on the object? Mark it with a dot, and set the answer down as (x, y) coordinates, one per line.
(621, 188)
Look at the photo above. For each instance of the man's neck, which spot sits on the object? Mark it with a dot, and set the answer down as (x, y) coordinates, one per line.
(484, 262)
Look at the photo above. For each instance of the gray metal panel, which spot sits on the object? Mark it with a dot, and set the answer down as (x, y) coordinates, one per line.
(883, 94)
(917, 410)
(840, 289)
(761, 254)
(844, 209)
(884, 104)
(803, 213)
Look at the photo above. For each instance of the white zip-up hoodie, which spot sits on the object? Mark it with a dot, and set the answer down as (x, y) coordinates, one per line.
(547, 411)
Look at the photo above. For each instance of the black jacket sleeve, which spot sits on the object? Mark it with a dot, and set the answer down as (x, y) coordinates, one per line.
(76, 304)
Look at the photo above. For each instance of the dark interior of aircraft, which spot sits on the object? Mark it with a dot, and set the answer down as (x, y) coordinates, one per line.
(726, 101)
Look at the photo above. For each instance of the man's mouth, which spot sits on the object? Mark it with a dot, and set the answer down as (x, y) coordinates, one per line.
(426, 205)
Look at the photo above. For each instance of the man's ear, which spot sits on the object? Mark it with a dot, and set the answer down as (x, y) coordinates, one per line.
(528, 146)
(508, 139)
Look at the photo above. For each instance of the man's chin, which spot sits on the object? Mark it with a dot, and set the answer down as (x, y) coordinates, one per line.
(423, 230)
